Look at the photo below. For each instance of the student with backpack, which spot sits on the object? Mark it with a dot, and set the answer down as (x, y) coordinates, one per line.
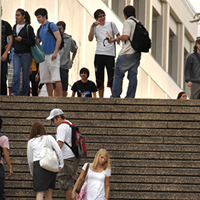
(64, 136)
(128, 59)
(50, 68)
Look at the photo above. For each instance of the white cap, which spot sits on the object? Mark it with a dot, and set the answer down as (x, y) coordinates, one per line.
(55, 112)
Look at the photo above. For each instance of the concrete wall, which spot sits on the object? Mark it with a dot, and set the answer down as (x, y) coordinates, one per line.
(153, 81)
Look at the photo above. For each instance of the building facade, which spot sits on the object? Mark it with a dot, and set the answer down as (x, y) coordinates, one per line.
(161, 71)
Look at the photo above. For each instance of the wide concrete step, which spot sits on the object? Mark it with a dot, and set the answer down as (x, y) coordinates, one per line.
(154, 145)
(118, 195)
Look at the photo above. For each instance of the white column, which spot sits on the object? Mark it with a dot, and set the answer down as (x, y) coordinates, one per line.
(180, 63)
(129, 2)
(165, 35)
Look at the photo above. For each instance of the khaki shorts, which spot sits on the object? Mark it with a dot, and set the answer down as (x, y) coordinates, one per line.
(50, 70)
(68, 175)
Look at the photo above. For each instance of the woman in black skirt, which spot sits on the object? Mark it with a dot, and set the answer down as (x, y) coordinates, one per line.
(43, 180)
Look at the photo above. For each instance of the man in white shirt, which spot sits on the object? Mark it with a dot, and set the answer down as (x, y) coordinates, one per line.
(128, 59)
(105, 51)
(67, 176)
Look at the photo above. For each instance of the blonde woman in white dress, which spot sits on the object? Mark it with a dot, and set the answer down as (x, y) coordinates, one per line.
(98, 178)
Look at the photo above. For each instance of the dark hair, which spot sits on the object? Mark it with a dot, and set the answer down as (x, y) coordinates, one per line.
(41, 11)
(61, 23)
(129, 11)
(85, 70)
(180, 94)
(195, 47)
(1, 123)
(37, 129)
(98, 12)
(27, 16)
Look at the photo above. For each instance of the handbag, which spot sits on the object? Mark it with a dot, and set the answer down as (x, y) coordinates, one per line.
(36, 51)
(81, 195)
(48, 159)
(79, 187)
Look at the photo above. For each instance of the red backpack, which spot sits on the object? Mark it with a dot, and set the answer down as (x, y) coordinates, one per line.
(78, 142)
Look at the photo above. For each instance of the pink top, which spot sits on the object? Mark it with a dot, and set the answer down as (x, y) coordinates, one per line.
(4, 144)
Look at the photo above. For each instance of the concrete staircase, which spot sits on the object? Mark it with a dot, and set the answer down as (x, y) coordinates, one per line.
(154, 145)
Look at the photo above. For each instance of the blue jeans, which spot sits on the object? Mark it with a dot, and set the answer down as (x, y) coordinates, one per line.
(2, 178)
(23, 60)
(130, 63)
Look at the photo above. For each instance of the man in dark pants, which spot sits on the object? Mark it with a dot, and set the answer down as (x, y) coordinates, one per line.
(6, 31)
(4, 147)
(192, 71)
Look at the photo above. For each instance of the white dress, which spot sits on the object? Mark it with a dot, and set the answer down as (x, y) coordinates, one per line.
(95, 189)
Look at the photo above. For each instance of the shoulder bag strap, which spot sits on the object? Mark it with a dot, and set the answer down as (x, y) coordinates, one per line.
(86, 171)
(27, 30)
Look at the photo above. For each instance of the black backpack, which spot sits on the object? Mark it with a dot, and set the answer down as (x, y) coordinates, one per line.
(51, 32)
(61, 34)
(141, 41)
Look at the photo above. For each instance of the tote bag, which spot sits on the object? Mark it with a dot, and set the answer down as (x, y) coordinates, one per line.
(36, 51)
(48, 159)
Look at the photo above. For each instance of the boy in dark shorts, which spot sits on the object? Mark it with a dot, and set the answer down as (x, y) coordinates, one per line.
(84, 87)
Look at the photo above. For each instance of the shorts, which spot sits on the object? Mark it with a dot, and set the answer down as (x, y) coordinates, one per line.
(100, 62)
(68, 175)
(42, 178)
(64, 79)
(50, 70)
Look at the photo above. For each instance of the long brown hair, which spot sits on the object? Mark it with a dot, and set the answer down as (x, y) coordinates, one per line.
(37, 129)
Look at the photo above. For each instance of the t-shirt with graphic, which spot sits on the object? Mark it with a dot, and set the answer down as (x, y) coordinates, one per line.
(84, 89)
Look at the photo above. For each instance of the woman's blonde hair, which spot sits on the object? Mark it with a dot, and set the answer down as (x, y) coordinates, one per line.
(96, 159)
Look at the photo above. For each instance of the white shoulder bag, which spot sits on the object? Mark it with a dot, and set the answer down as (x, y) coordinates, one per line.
(49, 159)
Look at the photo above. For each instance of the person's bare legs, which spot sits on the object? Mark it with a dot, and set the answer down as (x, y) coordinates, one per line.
(48, 194)
(9, 90)
(49, 89)
(59, 91)
(101, 91)
(64, 93)
(68, 194)
(39, 195)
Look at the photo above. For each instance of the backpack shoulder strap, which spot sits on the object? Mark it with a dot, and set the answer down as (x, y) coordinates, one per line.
(71, 127)
(38, 32)
(49, 29)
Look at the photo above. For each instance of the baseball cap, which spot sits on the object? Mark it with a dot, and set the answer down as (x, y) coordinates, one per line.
(55, 112)
(198, 40)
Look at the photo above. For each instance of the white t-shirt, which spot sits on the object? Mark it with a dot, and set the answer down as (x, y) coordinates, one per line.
(19, 28)
(100, 34)
(128, 29)
(95, 189)
(64, 134)
(35, 146)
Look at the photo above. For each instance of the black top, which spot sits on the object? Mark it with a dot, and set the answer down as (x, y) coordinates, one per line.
(6, 30)
(24, 46)
(84, 89)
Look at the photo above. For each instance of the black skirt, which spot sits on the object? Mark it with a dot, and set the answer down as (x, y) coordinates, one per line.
(42, 178)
